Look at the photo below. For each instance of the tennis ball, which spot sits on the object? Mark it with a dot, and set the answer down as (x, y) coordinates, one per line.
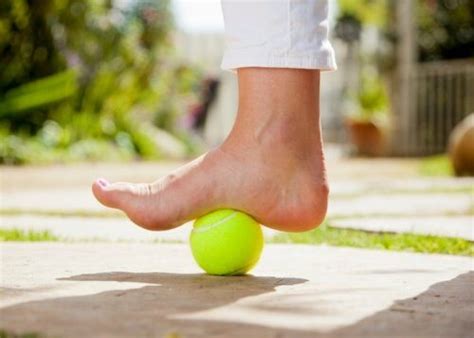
(226, 242)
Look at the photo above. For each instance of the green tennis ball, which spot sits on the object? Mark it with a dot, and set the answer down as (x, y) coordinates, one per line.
(226, 242)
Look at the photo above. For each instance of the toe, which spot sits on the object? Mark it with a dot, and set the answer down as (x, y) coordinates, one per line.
(136, 200)
(101, 194)
(112, 195)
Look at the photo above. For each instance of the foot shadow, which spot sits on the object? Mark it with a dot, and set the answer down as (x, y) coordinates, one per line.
(444, 310)
(146, 311)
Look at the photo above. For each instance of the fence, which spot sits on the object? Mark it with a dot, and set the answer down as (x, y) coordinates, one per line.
(440, 94)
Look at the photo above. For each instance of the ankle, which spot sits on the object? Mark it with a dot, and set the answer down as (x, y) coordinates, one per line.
(295, 130)
(284, 134)
(278, 110)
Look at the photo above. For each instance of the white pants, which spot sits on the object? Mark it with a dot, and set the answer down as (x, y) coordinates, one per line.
(277, 33)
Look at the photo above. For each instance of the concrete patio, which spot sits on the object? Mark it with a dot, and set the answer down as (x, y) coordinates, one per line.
(367, 194)
(131, 282)
(156, 290)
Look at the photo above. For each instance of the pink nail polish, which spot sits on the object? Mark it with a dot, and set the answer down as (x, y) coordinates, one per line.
(103, 182)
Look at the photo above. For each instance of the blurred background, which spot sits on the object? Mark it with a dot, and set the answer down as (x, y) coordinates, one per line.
(131, 90)
(121, 80)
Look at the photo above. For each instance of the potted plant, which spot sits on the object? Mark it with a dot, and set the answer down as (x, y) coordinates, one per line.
(367, 119)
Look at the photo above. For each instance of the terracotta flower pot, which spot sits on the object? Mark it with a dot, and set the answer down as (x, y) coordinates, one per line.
(367, 137)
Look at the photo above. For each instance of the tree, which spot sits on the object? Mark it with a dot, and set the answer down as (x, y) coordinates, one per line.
(123, 59)
(445, 29)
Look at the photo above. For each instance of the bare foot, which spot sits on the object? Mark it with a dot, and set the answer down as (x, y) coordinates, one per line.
(271, 166)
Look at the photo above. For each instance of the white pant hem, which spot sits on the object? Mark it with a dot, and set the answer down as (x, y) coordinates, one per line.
(321, 61)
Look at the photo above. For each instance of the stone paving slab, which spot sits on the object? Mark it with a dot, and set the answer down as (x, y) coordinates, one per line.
(61, 178)
(122, 229)
(403, 205)
(81, 200)
(342, 187)
(13, 178)
(68, 186)
(454, 226)
(67, 199)
(108, 229)
(138, 290)
(92, 228)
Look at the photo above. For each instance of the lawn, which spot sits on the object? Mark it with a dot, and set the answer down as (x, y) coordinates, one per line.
(325, 234)
(17, 235)
(438, 165)
(5, 334)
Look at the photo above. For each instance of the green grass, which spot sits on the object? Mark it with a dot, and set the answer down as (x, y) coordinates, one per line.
(326, 234)
(6, 334)
(62, 213)
(18, 235)
(439, 165)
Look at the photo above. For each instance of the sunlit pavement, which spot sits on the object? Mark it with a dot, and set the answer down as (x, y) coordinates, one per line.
(374, 195)
(149, 286)
(156, 290)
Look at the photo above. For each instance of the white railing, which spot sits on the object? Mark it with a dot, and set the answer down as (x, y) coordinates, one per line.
(441, 94)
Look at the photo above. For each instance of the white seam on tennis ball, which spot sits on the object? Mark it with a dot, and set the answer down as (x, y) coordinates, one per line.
(209, 226)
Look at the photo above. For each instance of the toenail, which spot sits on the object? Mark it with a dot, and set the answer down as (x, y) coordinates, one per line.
(103, 182)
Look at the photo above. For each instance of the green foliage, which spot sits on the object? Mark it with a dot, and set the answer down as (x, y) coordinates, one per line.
(27, 48)
(82, 77)
(439, 165)
(371, 99)
(372, 96)
(17, 235)
(53, 144)
(326, 234)
(367, 12)
(445, 29)
(37, 93)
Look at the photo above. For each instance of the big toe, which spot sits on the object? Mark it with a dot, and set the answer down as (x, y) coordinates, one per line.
(113, 195)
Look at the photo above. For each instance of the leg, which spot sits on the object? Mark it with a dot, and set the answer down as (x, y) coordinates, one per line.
(271, 165)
